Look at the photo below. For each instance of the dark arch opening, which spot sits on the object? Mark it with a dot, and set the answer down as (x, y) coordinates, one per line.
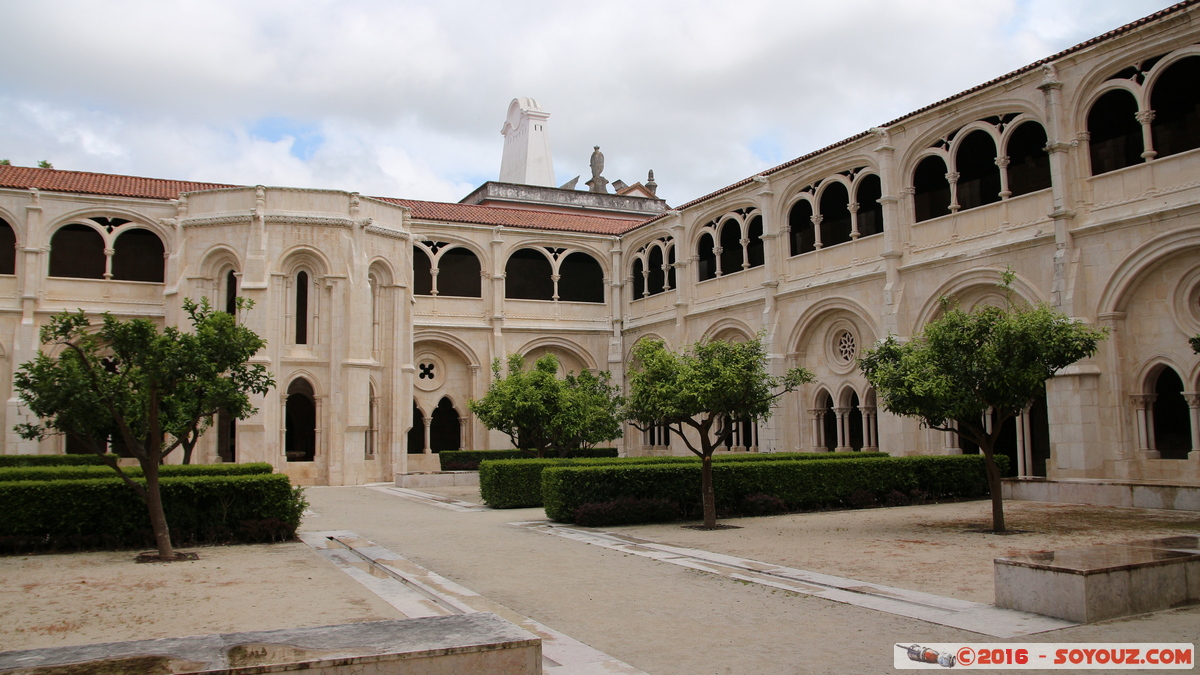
(835, 215)
(8, 248)
(300, 436)
(671, 268)
(978, 175)
(1175, 101)
(527, 276)
(302, 307)
(1028, 161)
(931, 195)
(1172, 422)
(138, 256)
(802, 236)
(870, 211)
(77, 251)
(416, 435)
(655, 265)
(639, 281)
(1114, 134)
(458, 274)
(829, 424)
(422, 276)
(706, 262)
(226, 437)
(855, 422)
(755, 252)
(580, 279)
(231, 292)
(445, 432)
(731, 247)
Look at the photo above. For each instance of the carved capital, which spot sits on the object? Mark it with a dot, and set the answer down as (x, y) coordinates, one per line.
(1144, 116)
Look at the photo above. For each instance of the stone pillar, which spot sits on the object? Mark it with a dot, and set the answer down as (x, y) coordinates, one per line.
(1143, 405)
(843, 428)
(818, 429)
(953, 444)
(1002, 162)
(1193, 401)
(870, 431)
(427, 421)
(952, 178)
(1146, 118)
(462, 432)
(1079, 440)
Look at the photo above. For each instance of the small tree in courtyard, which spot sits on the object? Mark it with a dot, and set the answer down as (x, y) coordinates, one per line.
(154, 391)
(538, 410)
(969, 364)
(706, 390)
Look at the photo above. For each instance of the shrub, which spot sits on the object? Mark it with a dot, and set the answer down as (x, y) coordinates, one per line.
(759, 504)
(517, 483)
(468, 460)
(626, 511)
(51, 460)
(105, 513)
(799, 484)
(86, 472)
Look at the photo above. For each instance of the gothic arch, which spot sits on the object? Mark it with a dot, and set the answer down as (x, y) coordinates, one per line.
(383, 269)
(816, 313)
(450, 340)
(1134, 266)
(975, 279)
(728, 325)
(570, 346)
(305, 257)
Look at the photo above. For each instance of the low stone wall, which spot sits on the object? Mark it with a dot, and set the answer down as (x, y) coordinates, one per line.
(437, 479)
(1140, 494)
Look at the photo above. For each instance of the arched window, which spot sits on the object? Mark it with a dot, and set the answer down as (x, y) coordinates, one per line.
(671, 268)
(458, 273)
(931, 195)
(731, 247)
(829, 424)
(802, 236)
(854, 423)
(77, 251)
(422, 276)
(302, 307)
(706, 257)
(445, 432)
(1172, 423)
(231, 290)
(639, 279)
(1028, 161)
(300, 436)
(1175, 101)
(8, 248)
(372, 434)
(655, 268)
(978, 175)
(226, 437)
(416, 435)
(870, 211)
(138, 256)
(527, 276)
(580, 279)
(755, 254)
(835, 215)
(1114, 134)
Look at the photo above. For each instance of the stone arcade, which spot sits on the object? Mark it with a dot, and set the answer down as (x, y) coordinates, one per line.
(382, 315)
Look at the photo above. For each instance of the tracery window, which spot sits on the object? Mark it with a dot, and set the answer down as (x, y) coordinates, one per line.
(100, 248)
(553, 274)
(738, 244)
(653, 269)
(440, 268)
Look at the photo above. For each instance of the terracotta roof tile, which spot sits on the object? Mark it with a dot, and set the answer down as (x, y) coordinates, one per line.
(84, 182)
(494, 215)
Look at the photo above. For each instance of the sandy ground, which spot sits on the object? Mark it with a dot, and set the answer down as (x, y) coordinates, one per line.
(659, 617)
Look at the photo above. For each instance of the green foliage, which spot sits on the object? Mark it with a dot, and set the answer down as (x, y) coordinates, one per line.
(468, 460)
(103, 513)
(626, 511)
(45, 164)
(5, 162)
(1194, 341)
(88, 472)
(536, 409)
(517, 483)
(54, 460)
(820, 483)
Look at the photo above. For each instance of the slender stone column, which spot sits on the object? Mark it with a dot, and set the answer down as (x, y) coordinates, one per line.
(427, 422)
(1143, 405)
(1146, 118)
(818, 429)
(870, 430)
(843, 429)
(1193, 401)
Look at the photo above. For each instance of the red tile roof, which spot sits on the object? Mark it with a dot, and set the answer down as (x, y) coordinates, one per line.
(494, 215)
(84, 182)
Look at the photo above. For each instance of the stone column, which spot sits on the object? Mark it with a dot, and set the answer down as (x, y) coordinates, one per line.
(462, 432)
(1193, 401)
(818, 429)
(843, 428)
(816, 221)
(1002, 162)
(426, 422)
(1146, 118)
(870, 431)
(953, 444)
(952, 178)
(1143, 405)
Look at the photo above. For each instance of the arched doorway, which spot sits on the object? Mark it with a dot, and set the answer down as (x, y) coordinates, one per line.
(300, 437)
(416, 435)
(445, 431)
(1172, 424)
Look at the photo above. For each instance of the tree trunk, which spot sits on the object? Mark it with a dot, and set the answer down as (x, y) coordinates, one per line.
(158, 519)
(993, 476)
(707, 494)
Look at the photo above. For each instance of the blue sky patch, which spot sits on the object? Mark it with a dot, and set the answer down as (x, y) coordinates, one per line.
(306, 136)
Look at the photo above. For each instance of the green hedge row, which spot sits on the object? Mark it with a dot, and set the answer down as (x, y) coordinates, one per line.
(799, 484)
(517, 483)
(105, 513)
(51, 460)
(86, 472)
(468, 460)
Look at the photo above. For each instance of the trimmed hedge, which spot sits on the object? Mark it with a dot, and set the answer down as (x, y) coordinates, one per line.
(50, 460)
(105, 513)
(799, 484)
(517, 483)
(468, 460)
(87, 472)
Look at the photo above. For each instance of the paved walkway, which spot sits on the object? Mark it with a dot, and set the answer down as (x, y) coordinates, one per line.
(658, 615)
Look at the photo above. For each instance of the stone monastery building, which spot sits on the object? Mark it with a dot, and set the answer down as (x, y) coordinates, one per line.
(1081, 172)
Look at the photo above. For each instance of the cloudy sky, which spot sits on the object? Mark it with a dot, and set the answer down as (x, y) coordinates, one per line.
(406, 99)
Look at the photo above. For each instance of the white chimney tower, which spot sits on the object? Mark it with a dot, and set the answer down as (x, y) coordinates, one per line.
(527, 159)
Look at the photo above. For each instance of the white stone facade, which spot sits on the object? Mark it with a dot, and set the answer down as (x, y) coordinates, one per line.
(1080, 173)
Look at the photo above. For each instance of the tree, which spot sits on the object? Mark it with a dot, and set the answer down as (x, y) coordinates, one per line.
(45, 164)
(154, 391)
(968, 364)
(707, 389)
(538, 410)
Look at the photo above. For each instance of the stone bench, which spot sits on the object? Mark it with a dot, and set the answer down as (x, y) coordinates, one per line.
(463, 643)
(1094, 583)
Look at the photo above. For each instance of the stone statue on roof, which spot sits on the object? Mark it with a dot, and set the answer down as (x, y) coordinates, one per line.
(598, 183)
